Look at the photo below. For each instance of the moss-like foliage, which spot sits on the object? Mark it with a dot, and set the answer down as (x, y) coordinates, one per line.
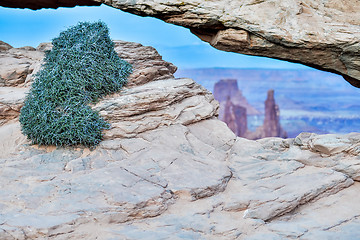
(81, 68)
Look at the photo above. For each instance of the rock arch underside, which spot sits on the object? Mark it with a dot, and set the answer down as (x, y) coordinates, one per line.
(320, 34)
(168, 168)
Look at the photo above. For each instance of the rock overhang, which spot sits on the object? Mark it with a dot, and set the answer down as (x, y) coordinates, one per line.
(322, 35)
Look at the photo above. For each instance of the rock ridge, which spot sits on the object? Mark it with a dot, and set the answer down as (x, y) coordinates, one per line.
(169, 169)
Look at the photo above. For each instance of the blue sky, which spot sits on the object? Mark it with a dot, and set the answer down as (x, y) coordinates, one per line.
(23, 27)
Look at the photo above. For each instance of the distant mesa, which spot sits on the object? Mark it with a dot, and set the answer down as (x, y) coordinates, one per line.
(235, 117)
(234, 110)
(229, 88)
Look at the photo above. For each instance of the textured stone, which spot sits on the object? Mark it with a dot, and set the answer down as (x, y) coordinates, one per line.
(127, 183)
(147, 63)
(11, 101)
(339, 152)
(18, 65)
(315, 221)
(272, 186)
(176, 173)
(199, 180)
(4, 46)
(156, 104)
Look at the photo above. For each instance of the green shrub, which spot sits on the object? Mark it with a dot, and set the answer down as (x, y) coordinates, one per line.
(81, 68)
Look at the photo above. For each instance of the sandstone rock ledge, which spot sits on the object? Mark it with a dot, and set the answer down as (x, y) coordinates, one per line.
(168, 169)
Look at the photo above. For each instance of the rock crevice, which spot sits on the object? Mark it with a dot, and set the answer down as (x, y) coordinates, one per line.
(169, 169)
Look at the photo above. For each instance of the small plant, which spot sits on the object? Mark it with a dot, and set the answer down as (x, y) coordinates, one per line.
(81, 68)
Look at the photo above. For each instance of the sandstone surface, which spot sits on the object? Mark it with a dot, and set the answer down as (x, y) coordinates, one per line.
(172, 170)
(20, 65)
(320, 34)
(147, 63)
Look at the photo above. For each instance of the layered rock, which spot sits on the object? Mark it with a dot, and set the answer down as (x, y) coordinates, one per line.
(20, 65)
(11, 101)
(171, 170)
(199, 180)
(156, 104)
(320, 34)
(147, 62)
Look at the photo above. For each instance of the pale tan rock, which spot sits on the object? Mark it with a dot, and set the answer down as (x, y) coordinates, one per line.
(75, 178)
(333, 217)
(11, 139)
(147, 63)
(197, 179)
(156, 104)
(330, 144)
(270, 187)
(339, 152)
(11, 101)
(18, 66)
(168, 169)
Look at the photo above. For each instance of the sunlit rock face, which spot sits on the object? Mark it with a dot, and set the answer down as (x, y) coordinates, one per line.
(20, 65)
(169, 169)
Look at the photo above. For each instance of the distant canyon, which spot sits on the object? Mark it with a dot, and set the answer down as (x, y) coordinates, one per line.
(308, 100)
